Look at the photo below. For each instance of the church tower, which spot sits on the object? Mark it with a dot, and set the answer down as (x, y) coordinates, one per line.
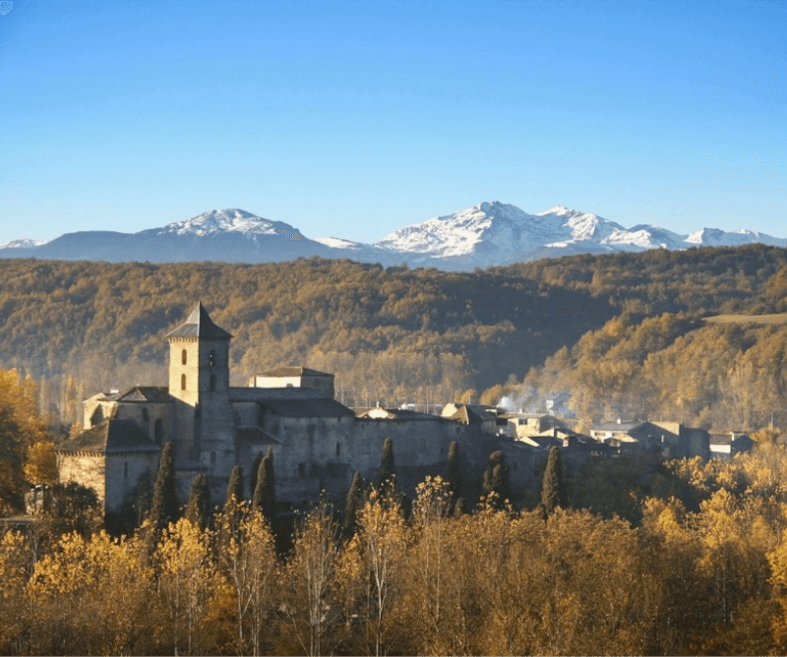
(199, 382)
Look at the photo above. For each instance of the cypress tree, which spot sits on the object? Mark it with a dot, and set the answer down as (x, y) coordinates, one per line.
(234, 488)
(353, 504)
(497, 479)
(165, 498)
(553, 490)
(198, 507)
(453, 475)
(264, 497)
(255, 467)
(386, 471)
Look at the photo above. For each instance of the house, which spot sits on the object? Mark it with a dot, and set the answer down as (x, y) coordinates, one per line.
(520, 425)
(727, 445)
(489, 418)
(670, 439)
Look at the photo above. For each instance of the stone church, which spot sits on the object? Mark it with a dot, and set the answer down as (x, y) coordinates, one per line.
(317, 442)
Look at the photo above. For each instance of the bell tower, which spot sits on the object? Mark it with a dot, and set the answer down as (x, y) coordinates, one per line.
(199, 381)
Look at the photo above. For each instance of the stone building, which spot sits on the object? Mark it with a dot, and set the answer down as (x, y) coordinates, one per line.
(317, 442)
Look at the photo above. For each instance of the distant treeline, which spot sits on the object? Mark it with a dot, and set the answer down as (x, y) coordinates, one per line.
(389, 335)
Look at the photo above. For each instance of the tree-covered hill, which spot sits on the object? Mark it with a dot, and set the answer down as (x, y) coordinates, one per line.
(389, 334)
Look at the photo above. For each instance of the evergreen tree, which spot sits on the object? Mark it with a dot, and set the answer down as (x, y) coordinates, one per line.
(386, 471)
(453, 474)
(553, 490)
(255, 467)
(165, 498)
(198, 507)
(234, 489)
(353, 504)
(264, 497)
(497, 479)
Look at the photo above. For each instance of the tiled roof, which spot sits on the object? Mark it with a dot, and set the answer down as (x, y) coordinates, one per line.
(307, 407)
(615, 426)
(293, 371)
(111, 436)
(199, 325)
(150, 394)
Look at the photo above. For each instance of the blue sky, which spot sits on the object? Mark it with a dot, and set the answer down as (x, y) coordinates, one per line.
(355, 118)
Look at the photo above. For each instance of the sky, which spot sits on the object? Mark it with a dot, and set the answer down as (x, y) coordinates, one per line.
(355, 118)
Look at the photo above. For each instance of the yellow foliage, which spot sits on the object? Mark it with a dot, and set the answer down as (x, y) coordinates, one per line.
(41, 464)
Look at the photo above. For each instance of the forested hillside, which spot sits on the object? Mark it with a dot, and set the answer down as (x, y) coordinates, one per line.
(389, 334)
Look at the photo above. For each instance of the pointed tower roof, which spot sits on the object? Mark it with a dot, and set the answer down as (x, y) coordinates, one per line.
(199, 325)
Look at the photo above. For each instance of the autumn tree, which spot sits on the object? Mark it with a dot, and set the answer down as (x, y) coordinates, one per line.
(310, 580)
(377, 550)
(20, 429)
(249, 561)
(192, 590)
(41, 463)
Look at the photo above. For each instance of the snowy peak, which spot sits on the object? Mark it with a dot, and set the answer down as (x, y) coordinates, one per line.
(221, 221)
(22, 244)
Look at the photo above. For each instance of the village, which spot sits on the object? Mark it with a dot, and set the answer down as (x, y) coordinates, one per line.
(317, 442)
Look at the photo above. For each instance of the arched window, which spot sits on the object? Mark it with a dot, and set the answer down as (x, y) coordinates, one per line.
(182, 381)
(212, 382)
(158, 431)
(183, 356)
(145, 415)
(212, 357)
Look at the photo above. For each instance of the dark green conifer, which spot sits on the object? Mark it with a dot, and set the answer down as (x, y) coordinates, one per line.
(255, 467)
(353, 504)
(165, 499)
(198, 507)
(234, 488)
(553, 490)
(264, 497)
(386, 471)
(497, 479)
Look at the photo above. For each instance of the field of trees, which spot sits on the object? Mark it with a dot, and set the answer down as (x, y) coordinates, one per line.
(704, 573)
(423, 336)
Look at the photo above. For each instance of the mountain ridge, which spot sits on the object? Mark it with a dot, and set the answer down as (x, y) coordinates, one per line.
(487, 234)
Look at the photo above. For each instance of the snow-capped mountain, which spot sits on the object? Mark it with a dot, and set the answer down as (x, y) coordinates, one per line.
(223, 235)
(498, 234)
(484, 235)
(21, 244)
(222, 221)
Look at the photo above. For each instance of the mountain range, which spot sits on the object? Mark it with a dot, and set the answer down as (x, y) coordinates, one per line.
(485, 235)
